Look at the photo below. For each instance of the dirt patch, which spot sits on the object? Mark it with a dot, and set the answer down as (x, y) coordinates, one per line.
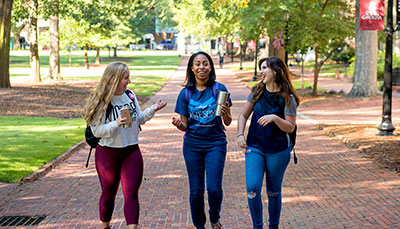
(383, 150)
(62, 99)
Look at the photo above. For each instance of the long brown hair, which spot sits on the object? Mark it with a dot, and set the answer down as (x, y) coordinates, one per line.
(282, 79)
(104, 92)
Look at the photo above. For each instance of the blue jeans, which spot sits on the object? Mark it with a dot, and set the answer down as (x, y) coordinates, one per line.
(274, 166)
(208, 161)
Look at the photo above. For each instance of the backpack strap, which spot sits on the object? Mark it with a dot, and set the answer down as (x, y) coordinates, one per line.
(88, 158)
(109, 110)
(129, 93)
(188, 94)
(293, 142)
(215, 89)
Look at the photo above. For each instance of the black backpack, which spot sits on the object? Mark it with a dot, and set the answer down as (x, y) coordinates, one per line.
(91, 140)
(292, 137)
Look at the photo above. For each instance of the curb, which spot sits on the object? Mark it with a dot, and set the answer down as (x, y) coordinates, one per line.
(50, 165)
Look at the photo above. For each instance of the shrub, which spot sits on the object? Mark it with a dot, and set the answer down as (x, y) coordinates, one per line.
(343, 56)
(380, 64)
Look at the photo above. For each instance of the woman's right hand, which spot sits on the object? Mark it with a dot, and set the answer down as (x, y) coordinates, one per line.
(121, 121)
(177, 122)
(241, 141)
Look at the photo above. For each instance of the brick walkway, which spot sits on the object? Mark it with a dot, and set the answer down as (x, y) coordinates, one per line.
(331, 186)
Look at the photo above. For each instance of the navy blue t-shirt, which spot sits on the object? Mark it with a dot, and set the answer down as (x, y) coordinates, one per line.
(269, 138)
(203, 124)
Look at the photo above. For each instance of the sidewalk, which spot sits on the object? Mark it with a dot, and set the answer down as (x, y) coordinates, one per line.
(362, 111)
(330, 187)
(330, 83)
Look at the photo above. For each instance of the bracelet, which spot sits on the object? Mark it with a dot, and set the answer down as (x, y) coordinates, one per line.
(239, 135)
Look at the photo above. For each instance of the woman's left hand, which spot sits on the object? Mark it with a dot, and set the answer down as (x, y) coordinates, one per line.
(160, 105)
(266, 119)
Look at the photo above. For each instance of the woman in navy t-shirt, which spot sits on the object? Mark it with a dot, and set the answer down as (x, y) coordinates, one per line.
(204, 146)
(273, 103)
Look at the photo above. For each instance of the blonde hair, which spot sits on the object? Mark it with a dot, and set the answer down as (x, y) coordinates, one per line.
(104, 92)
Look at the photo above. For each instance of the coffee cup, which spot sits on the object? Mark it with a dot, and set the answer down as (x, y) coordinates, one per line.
(221, 100)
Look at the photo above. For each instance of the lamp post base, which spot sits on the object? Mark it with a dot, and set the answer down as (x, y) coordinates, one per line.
(386, 128)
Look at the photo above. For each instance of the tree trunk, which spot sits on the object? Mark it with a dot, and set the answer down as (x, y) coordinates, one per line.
(70, 56)
(97, 55)
(34, 42)
(276, 52)
(115, 51)
(316, 71)
(86, 57)
(232, 48)
(242, 53)
(5, 29)
(54, 58)
(302, 72)
(365, 70)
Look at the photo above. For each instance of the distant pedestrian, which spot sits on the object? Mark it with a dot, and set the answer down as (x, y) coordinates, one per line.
(118, 157)
(204, 145)
(273, 103)
(221, 59)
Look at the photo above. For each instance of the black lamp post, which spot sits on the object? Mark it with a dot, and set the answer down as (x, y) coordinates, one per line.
(232, 50)
(241, 57)
(386, 127)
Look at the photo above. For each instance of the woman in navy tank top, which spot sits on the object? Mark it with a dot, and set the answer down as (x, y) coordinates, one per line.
(273, 103)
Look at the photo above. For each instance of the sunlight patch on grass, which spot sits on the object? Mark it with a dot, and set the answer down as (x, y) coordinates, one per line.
(30, 142)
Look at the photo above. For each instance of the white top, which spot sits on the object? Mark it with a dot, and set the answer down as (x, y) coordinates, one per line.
(118, 137)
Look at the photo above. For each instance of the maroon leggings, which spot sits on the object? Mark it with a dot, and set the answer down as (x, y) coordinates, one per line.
(114, 165)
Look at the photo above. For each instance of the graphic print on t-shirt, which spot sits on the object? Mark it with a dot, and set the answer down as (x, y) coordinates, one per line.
(202, 112)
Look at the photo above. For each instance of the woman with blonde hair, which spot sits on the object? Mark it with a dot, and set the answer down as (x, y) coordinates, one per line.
(273, 103)
(118, 157)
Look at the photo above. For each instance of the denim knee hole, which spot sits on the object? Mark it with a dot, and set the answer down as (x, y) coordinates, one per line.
(273, 194)
(251, 195)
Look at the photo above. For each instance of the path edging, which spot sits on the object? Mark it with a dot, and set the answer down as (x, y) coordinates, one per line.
(56, 161)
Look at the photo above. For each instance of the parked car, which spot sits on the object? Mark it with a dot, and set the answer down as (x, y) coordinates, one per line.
(166, 45)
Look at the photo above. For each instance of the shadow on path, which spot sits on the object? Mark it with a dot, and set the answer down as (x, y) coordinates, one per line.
(330, 187)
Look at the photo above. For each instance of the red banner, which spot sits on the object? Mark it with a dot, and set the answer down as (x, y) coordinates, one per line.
(372, 14)
(251, 44)
(278, 41)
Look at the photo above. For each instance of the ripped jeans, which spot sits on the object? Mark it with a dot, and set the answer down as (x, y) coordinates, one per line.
(274, 166)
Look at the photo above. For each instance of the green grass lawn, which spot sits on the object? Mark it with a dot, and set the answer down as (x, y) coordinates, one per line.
(30, 142)
(328, 69)
(146, 69)
(78, 60)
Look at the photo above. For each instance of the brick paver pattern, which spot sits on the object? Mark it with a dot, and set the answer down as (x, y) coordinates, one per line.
(330, 187)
